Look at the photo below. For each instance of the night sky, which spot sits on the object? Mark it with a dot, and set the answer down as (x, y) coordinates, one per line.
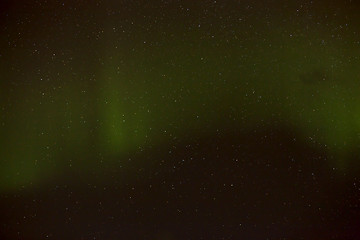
(180, 119)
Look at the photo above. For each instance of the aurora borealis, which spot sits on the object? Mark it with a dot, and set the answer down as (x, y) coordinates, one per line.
(179, 119)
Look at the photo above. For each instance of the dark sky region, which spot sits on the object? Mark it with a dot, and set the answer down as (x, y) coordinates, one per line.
(174, 120)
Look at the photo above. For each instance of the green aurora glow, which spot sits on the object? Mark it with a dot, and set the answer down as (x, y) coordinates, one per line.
(101, 94)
